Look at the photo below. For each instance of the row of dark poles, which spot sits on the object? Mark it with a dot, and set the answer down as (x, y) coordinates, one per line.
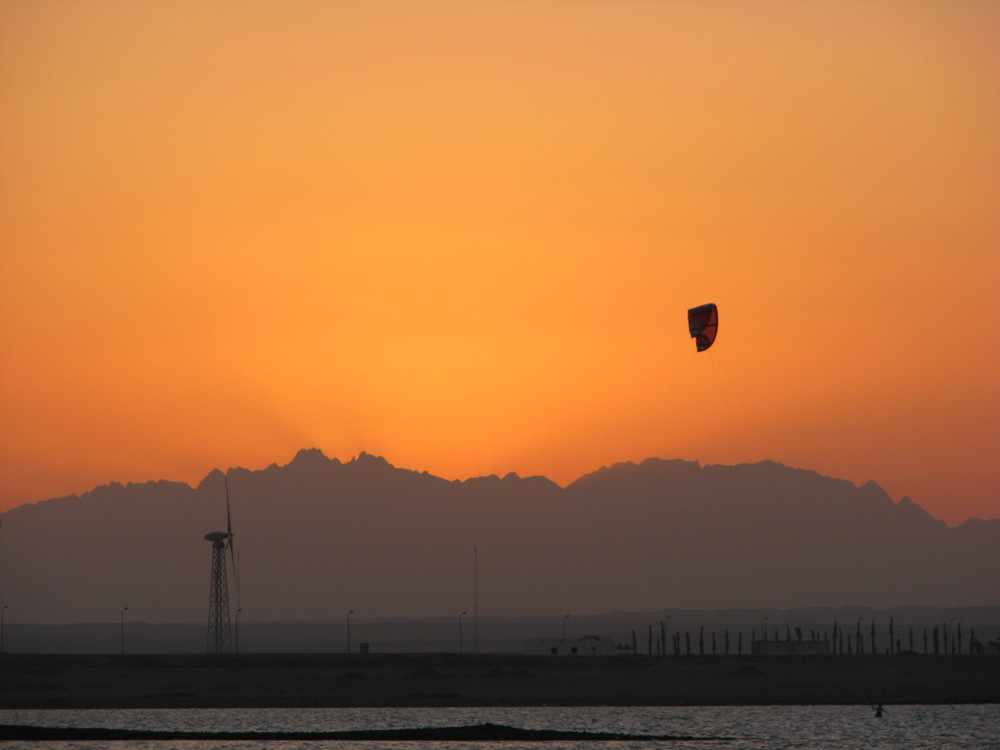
(945, 639)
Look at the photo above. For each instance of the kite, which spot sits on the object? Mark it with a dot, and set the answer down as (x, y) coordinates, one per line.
(703, 322)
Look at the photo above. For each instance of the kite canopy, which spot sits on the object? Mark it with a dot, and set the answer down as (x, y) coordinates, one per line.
(703, 322)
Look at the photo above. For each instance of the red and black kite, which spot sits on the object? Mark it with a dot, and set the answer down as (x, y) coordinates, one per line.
(703, 322)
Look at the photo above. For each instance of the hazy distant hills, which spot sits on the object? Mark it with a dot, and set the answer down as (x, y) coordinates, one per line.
(319, 537)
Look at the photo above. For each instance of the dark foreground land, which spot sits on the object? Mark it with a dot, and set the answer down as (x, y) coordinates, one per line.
(474, 733)
(259, 680)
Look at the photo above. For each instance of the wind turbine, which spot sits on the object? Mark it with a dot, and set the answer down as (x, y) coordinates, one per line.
(220, 632)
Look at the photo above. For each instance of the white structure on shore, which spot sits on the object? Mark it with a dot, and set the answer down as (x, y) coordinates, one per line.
(589, 645)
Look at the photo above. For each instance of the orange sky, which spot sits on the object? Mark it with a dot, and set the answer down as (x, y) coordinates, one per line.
(464, 235)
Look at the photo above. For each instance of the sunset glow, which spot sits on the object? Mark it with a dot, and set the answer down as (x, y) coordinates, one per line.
(465, 235)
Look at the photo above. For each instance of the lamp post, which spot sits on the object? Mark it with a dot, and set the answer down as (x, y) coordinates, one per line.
(3, 610)
(124, 609)
(565, 617)
(461, 649)
(349, 630)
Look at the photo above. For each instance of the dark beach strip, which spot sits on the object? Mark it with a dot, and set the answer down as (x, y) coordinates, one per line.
(476, 733)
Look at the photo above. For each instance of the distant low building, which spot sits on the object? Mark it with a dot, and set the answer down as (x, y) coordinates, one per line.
(791, 648)
(588, 645)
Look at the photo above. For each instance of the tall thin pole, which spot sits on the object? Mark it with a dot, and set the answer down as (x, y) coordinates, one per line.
(475, 594)
(123, 629)
(349, 630)
(460, 649)
(3, 611)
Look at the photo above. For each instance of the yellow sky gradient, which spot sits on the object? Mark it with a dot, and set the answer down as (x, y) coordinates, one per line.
(464, 235)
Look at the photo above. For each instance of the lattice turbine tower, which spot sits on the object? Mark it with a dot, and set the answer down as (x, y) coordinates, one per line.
(220, 631)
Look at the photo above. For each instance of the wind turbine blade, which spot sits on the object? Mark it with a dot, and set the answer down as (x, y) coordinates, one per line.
(229, 517)
(229, 531)
(236, 578)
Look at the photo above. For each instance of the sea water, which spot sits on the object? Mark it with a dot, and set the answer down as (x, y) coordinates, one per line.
(915, 727)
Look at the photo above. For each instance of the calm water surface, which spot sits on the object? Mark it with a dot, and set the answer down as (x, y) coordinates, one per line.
(768, 727)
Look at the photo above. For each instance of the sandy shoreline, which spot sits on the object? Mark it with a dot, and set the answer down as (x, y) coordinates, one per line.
(261, 680)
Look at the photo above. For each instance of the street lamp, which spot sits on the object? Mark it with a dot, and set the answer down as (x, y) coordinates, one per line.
(3, 650)
(460, 646)
(349, 630)
(565, 617)
(124, 609)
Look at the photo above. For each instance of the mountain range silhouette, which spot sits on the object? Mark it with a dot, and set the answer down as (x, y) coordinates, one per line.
(319, 537)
